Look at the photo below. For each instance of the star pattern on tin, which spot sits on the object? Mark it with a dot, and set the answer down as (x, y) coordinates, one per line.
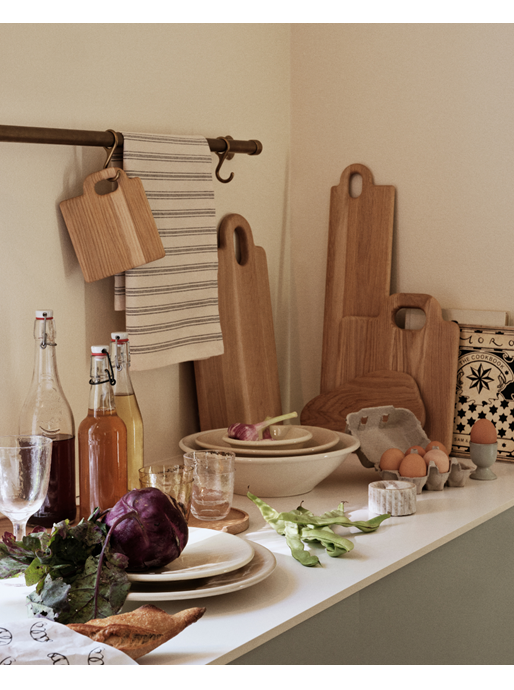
(480, 378)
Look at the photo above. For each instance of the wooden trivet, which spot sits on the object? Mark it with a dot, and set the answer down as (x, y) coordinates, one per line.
(236, 521)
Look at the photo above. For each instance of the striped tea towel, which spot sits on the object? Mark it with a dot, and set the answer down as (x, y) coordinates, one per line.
(171, 305)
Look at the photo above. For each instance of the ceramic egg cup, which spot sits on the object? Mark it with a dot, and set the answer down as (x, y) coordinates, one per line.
(483, 455)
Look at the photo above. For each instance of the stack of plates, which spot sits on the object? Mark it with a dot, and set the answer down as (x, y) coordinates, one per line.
(269, 472)
(212, 563)
(319, 441)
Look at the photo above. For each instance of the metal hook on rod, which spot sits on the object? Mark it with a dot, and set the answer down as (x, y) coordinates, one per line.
(110, 151)
(223, 156)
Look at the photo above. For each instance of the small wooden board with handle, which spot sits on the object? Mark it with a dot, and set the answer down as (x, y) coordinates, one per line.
(429, 355)
(360, 240)
(242, 384)
(374, 389)
(114, 232)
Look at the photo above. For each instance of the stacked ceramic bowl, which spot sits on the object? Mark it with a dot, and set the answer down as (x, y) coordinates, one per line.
(292, 462)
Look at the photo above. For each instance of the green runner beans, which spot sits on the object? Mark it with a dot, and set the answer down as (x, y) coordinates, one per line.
(301, 525)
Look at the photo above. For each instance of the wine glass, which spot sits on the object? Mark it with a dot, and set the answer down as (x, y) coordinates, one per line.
(24, 475)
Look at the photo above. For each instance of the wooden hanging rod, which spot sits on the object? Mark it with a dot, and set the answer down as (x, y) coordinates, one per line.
(82, 137)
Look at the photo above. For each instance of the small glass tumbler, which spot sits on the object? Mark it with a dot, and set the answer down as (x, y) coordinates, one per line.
(173, 480)
(213, 486)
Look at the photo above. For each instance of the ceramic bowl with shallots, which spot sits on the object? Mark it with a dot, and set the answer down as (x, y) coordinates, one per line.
(288, 475)
(282, 438)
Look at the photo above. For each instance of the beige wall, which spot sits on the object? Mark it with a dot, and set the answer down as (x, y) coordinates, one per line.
(173, 78)
(428, 108)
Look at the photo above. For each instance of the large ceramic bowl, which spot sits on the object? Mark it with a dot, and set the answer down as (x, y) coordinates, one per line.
(273, 477)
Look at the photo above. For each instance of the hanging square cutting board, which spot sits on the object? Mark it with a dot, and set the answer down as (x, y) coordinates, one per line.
(429, 355)
(114, 232)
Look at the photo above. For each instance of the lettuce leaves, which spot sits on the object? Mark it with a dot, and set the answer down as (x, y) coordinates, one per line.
(64, 566)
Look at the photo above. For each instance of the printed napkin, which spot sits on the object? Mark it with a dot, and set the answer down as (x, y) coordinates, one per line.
(171, 305)
(47, 643)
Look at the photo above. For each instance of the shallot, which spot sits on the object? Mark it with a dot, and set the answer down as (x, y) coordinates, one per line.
(254, 432)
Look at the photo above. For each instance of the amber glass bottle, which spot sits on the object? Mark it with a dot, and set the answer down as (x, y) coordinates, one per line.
(127, 407)
(46, 412)
(102, 437)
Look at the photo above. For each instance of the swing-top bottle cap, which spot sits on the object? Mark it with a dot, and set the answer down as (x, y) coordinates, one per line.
(99, 349)
(121, 336)
(40, 314)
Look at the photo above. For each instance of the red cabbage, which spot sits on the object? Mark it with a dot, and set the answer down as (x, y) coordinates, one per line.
(157, 533)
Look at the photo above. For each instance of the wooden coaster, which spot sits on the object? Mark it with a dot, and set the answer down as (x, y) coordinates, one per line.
(236, 521)
(5, 525)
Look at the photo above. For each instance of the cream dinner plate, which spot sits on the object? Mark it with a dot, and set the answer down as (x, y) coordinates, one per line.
(208, 552)
(259, 568)
(322, 440)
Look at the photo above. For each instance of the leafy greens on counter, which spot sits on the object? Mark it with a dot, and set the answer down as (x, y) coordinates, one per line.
(64, 567)
(301, 525)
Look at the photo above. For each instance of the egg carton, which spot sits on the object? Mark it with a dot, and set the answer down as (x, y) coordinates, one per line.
(435, 480)
(384, 427)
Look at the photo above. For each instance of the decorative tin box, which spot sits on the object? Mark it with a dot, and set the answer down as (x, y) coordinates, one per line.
(485, 387)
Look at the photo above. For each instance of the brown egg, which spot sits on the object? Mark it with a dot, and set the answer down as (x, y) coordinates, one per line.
(442, 461)
(391, 459)
(483, 431)
(415, 449)
(436, 444)
(413, 465)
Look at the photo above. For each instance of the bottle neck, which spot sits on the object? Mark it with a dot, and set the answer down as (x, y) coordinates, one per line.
(120, 357)
(45, 362)
(101, 394)
(46, 410)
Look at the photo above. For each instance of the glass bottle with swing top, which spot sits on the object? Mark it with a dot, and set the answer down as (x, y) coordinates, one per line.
(46, 412)
(127, 407)
(102, 438)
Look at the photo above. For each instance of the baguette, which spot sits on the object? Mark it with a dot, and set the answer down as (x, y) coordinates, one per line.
(138, 632)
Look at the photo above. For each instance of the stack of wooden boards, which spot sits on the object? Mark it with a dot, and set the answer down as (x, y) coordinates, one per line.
(368, 360)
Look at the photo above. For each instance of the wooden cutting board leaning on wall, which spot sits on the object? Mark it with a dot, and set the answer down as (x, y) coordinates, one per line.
(360, 240)
(429, 355)
(374, 389)
(242, 384)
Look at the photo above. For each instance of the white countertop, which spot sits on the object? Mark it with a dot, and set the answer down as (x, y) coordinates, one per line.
(238, 622)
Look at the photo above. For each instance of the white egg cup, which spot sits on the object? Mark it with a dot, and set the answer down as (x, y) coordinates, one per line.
(483, 455)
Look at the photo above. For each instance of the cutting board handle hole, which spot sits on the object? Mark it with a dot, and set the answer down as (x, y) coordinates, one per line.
(104, 187)
(240, 246)
(355, 185)
(411, 319)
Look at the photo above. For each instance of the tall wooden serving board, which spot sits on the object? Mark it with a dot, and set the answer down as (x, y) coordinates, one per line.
(242, 384)
(360, 240)
(429, 355)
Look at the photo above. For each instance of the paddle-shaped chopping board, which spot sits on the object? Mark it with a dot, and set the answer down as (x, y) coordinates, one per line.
(360, 239)
(429, 355)
(242, 384)
(114, 232)
(375, 389)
